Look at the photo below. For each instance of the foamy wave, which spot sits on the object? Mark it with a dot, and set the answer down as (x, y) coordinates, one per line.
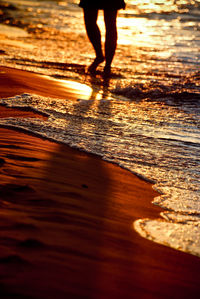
(149, 138)
(187, 89)
(181, 236)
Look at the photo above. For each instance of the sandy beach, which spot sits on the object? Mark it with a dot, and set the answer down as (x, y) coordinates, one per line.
(66, 218)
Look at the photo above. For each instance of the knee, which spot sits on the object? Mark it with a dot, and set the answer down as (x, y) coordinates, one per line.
(111, 34)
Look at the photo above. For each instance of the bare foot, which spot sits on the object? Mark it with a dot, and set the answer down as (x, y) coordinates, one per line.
(92, 68)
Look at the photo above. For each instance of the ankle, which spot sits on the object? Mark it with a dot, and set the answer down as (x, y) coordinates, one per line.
(107, 70)
(100, 58)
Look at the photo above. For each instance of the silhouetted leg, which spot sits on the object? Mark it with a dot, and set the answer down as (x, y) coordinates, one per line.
(110, 18)
(94, 35)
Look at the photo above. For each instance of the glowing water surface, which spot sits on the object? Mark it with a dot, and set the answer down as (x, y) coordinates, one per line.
(155, 38)
(154, 132)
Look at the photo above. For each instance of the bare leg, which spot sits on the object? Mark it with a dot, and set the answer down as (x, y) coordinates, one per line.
(94, 35)
(110, 18)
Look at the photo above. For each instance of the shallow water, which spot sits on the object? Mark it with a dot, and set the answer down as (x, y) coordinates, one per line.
(146, 118)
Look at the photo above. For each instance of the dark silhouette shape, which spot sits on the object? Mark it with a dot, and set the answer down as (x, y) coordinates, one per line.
(91, 9)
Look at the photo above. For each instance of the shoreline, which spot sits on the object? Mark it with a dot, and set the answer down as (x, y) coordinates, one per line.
(57, 220)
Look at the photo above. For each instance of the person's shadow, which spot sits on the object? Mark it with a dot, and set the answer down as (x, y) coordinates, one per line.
(67, 245)
(88, 234)
(66, 228)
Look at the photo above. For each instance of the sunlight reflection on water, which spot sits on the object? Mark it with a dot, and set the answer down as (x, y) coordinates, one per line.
(156, 133)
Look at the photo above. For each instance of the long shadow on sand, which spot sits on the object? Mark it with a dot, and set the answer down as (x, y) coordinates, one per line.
(66, 227)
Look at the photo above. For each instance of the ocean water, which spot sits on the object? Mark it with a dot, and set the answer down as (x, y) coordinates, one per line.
(146, 118)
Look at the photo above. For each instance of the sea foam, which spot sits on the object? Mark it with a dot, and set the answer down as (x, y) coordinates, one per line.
(155, 140)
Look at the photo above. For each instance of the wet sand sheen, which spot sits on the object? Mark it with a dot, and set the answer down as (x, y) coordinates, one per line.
(66, 220)
(15, 81)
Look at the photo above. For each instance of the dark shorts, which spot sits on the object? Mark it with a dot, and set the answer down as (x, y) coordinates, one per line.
(102, 4)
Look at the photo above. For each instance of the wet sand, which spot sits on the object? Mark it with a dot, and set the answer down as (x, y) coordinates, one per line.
(66, 218)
